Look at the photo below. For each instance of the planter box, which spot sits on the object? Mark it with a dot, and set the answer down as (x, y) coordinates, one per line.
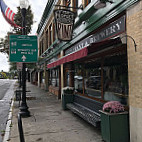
(115, 127)
(66, 98)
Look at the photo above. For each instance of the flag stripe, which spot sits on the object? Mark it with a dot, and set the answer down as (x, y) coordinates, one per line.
(8, 14)
(13, 16)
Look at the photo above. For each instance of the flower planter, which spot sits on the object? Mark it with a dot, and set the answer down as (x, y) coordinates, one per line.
(66, 98)
(115, 127)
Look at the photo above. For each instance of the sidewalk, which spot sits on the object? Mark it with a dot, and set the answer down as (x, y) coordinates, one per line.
(49, 122)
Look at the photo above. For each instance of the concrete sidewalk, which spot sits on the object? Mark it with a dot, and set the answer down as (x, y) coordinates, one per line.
(49, 122)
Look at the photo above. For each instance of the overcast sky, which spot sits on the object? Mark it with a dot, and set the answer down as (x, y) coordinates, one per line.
(37, 6)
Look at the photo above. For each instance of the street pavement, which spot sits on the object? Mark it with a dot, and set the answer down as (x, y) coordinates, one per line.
(49, 122)
(6, 94)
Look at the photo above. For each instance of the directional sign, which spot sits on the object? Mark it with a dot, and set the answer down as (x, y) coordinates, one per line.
(23, 48)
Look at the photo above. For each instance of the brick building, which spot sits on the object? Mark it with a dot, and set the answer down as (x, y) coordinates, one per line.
(101, 61)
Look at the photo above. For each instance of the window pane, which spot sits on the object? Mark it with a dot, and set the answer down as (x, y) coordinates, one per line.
(93, 82)
(78, 79)
(116, 81)
(54, 77)
(78, 5)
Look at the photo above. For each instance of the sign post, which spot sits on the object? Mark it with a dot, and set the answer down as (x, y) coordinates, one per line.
(23, 48)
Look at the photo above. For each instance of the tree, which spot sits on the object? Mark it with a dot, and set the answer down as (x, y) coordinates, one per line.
(4, 42)
(18, 21)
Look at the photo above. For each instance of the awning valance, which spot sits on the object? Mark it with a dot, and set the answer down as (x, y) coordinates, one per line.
(71, 57)
(94, 47)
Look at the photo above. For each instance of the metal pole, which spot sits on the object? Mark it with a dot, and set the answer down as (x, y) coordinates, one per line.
(20, 127)
(24, 112)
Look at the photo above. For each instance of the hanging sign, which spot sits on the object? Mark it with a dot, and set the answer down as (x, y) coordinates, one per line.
(64, 21)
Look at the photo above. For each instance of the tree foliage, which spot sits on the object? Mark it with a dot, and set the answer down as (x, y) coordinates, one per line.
(18, 21)
(4, 42)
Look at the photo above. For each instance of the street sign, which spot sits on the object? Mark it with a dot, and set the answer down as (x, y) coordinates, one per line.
(19, 66)
(23, 48)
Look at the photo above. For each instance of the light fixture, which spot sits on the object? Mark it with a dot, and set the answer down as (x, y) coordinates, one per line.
(24, 4)
(101, 4)
(127, 36)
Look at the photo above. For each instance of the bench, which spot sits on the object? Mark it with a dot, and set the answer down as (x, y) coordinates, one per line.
(86, 108)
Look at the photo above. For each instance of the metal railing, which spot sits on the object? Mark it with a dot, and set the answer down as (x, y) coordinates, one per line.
(20, 127)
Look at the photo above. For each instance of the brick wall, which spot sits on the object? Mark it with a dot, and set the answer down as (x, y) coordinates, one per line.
(134, 29)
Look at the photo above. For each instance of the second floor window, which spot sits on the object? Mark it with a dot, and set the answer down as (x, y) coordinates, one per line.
(68, 2)
(79, 3)
(47, 39)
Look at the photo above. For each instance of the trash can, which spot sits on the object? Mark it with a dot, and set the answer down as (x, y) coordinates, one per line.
(66, 98)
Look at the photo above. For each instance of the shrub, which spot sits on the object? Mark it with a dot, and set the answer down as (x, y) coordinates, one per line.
(68, 90)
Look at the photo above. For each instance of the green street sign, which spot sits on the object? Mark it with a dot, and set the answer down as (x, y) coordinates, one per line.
(23, 48)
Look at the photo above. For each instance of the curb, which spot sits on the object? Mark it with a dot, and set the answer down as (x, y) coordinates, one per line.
(9, 122)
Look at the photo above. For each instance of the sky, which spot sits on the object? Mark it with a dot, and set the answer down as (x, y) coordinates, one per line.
(37, 7)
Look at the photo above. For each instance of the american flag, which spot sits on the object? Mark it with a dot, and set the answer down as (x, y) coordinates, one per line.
(8, 14)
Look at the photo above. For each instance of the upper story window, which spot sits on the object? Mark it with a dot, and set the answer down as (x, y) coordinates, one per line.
(41, 48)
(86, 2)
(68, 2)
(54, 32)
(79, 3)
(50, 34)
(47, 39)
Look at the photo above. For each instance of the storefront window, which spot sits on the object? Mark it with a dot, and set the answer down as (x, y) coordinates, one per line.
(93, 82)
(78, 79)
(105, 78)
(116, 83)
(54, 77)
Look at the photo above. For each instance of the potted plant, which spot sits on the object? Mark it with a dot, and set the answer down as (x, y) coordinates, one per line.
(67, 96)
(114, 122)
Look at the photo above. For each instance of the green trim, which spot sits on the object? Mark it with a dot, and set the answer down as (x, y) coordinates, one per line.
(46, 12)
(99, 18)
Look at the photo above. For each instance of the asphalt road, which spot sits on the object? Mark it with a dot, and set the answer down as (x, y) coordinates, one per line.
(6, 93)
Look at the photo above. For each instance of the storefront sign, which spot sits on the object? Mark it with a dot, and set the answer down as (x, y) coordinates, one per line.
(109, 31)
(64, 20)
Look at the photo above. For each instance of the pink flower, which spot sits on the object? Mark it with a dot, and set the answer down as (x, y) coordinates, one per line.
(113, 107)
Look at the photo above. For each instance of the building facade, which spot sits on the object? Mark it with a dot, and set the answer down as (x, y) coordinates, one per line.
(103, 59)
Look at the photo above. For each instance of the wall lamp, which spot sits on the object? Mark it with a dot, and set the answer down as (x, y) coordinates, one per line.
(135, 45)
(101, 3)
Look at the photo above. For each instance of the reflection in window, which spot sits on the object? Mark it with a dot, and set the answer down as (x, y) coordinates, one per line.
(54, 77)
(104, 79)
(50, 34)
(93, 82)
(79, 3)
(78, 79)
(116, 83)
(47, 39)
(68, 2)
